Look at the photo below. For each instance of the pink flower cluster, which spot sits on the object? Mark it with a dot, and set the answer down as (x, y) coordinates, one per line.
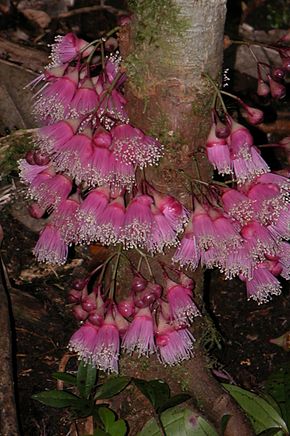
(150, 320)
(243, 231)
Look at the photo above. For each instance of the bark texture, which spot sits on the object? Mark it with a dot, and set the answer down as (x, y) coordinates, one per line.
(8, 414)
(169, 97)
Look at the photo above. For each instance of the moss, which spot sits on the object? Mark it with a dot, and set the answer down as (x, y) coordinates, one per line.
(156, 21)
(13, 148)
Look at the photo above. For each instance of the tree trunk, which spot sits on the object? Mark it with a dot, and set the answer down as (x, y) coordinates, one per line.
(167, 48)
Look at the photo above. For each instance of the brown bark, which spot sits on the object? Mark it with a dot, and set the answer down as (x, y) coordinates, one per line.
(171, 98)
(8, 414)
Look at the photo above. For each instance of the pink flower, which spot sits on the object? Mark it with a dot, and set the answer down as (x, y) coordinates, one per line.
(237, 262)
(240, 141)
(138, 222)
(51, 190)
(258, 240)
(140, 335)
(267, 201)
(238, 205)
(50, 246)
(75, 156)
(89, 213)
(53, 101)
(67, 47)
(83, 342)
(227, 236)
(111, 221)
(123, 174)
(281, 227)
(182, 307)
(188, 253)
(218, 153)
(112, 108)
(262, 286)
(64, 218)
(174, 346)
(130, 145)
(246, 169)
(29, 173)
(284, 259)
(162, 235)
(171, 208)
(51, 138)
(107, 344)
(85, 100)
(202, 227)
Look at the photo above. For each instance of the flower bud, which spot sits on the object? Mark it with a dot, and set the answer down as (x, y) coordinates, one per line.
(79, 313)
(263, 88)
(286, 63)
(282, 341)
(89, 303)
(74, 296)
(126, 307)
(30, 157)
(36, 211)
(79, 284)
(41, 159)
(138, 283)
(252, 115)
(96, 318)
(278, 73)
(278, 90)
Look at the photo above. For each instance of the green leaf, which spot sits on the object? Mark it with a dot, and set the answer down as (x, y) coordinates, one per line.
(224, 422)
(278, 386)
(112, 387)
(83, 408)
(179, 422)
(271, 432)
(99, 432)
(262, 415)
(107, 417)
(118, 428)
(56, 398)
(173, 401)
(86, 379)
(66, 377)
(157, 391)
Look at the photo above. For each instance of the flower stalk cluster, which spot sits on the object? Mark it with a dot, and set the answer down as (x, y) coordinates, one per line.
(83, 173)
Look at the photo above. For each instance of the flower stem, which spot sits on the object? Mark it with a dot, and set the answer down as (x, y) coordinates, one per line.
(218, 92)
(114, 275)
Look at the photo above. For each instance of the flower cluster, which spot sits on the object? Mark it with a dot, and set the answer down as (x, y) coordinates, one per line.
(243, 231)
(150, 320)
(82, 170)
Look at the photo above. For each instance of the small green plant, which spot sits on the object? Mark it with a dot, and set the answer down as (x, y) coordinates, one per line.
(83, 403)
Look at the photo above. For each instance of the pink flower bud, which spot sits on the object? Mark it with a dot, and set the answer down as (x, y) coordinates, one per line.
(36, 211)
(278, 90)
(79, 313)
(30, 157)
(252, 115)
(79, 284)
(126, 307)
(102, 138)
(74, 296)
(278, 73)
(96, 318)
(89, 303)
(286, 63)
(41, 159)
(111, 44)
(138, 284)
(263, 88)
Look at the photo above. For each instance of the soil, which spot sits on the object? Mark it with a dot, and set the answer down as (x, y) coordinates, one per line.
(42, 322)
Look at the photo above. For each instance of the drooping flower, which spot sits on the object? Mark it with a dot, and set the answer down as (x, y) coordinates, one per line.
(174, 346)
(83, 342)
(140, 334)
(162, 234)
(111, 221)
(237, 205)
(50, 190)
(258, 240)
(172, 209)
(263, 285)
(84, 101)
(218, 152)
(64, 218)
(89, 213)
(138, 222)
(182, 307)
(107, 344)
(53, 101)
(75, 156)
(130, 145)
(188, 252)
(67, 47)
(50, 246)
(51, 138)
